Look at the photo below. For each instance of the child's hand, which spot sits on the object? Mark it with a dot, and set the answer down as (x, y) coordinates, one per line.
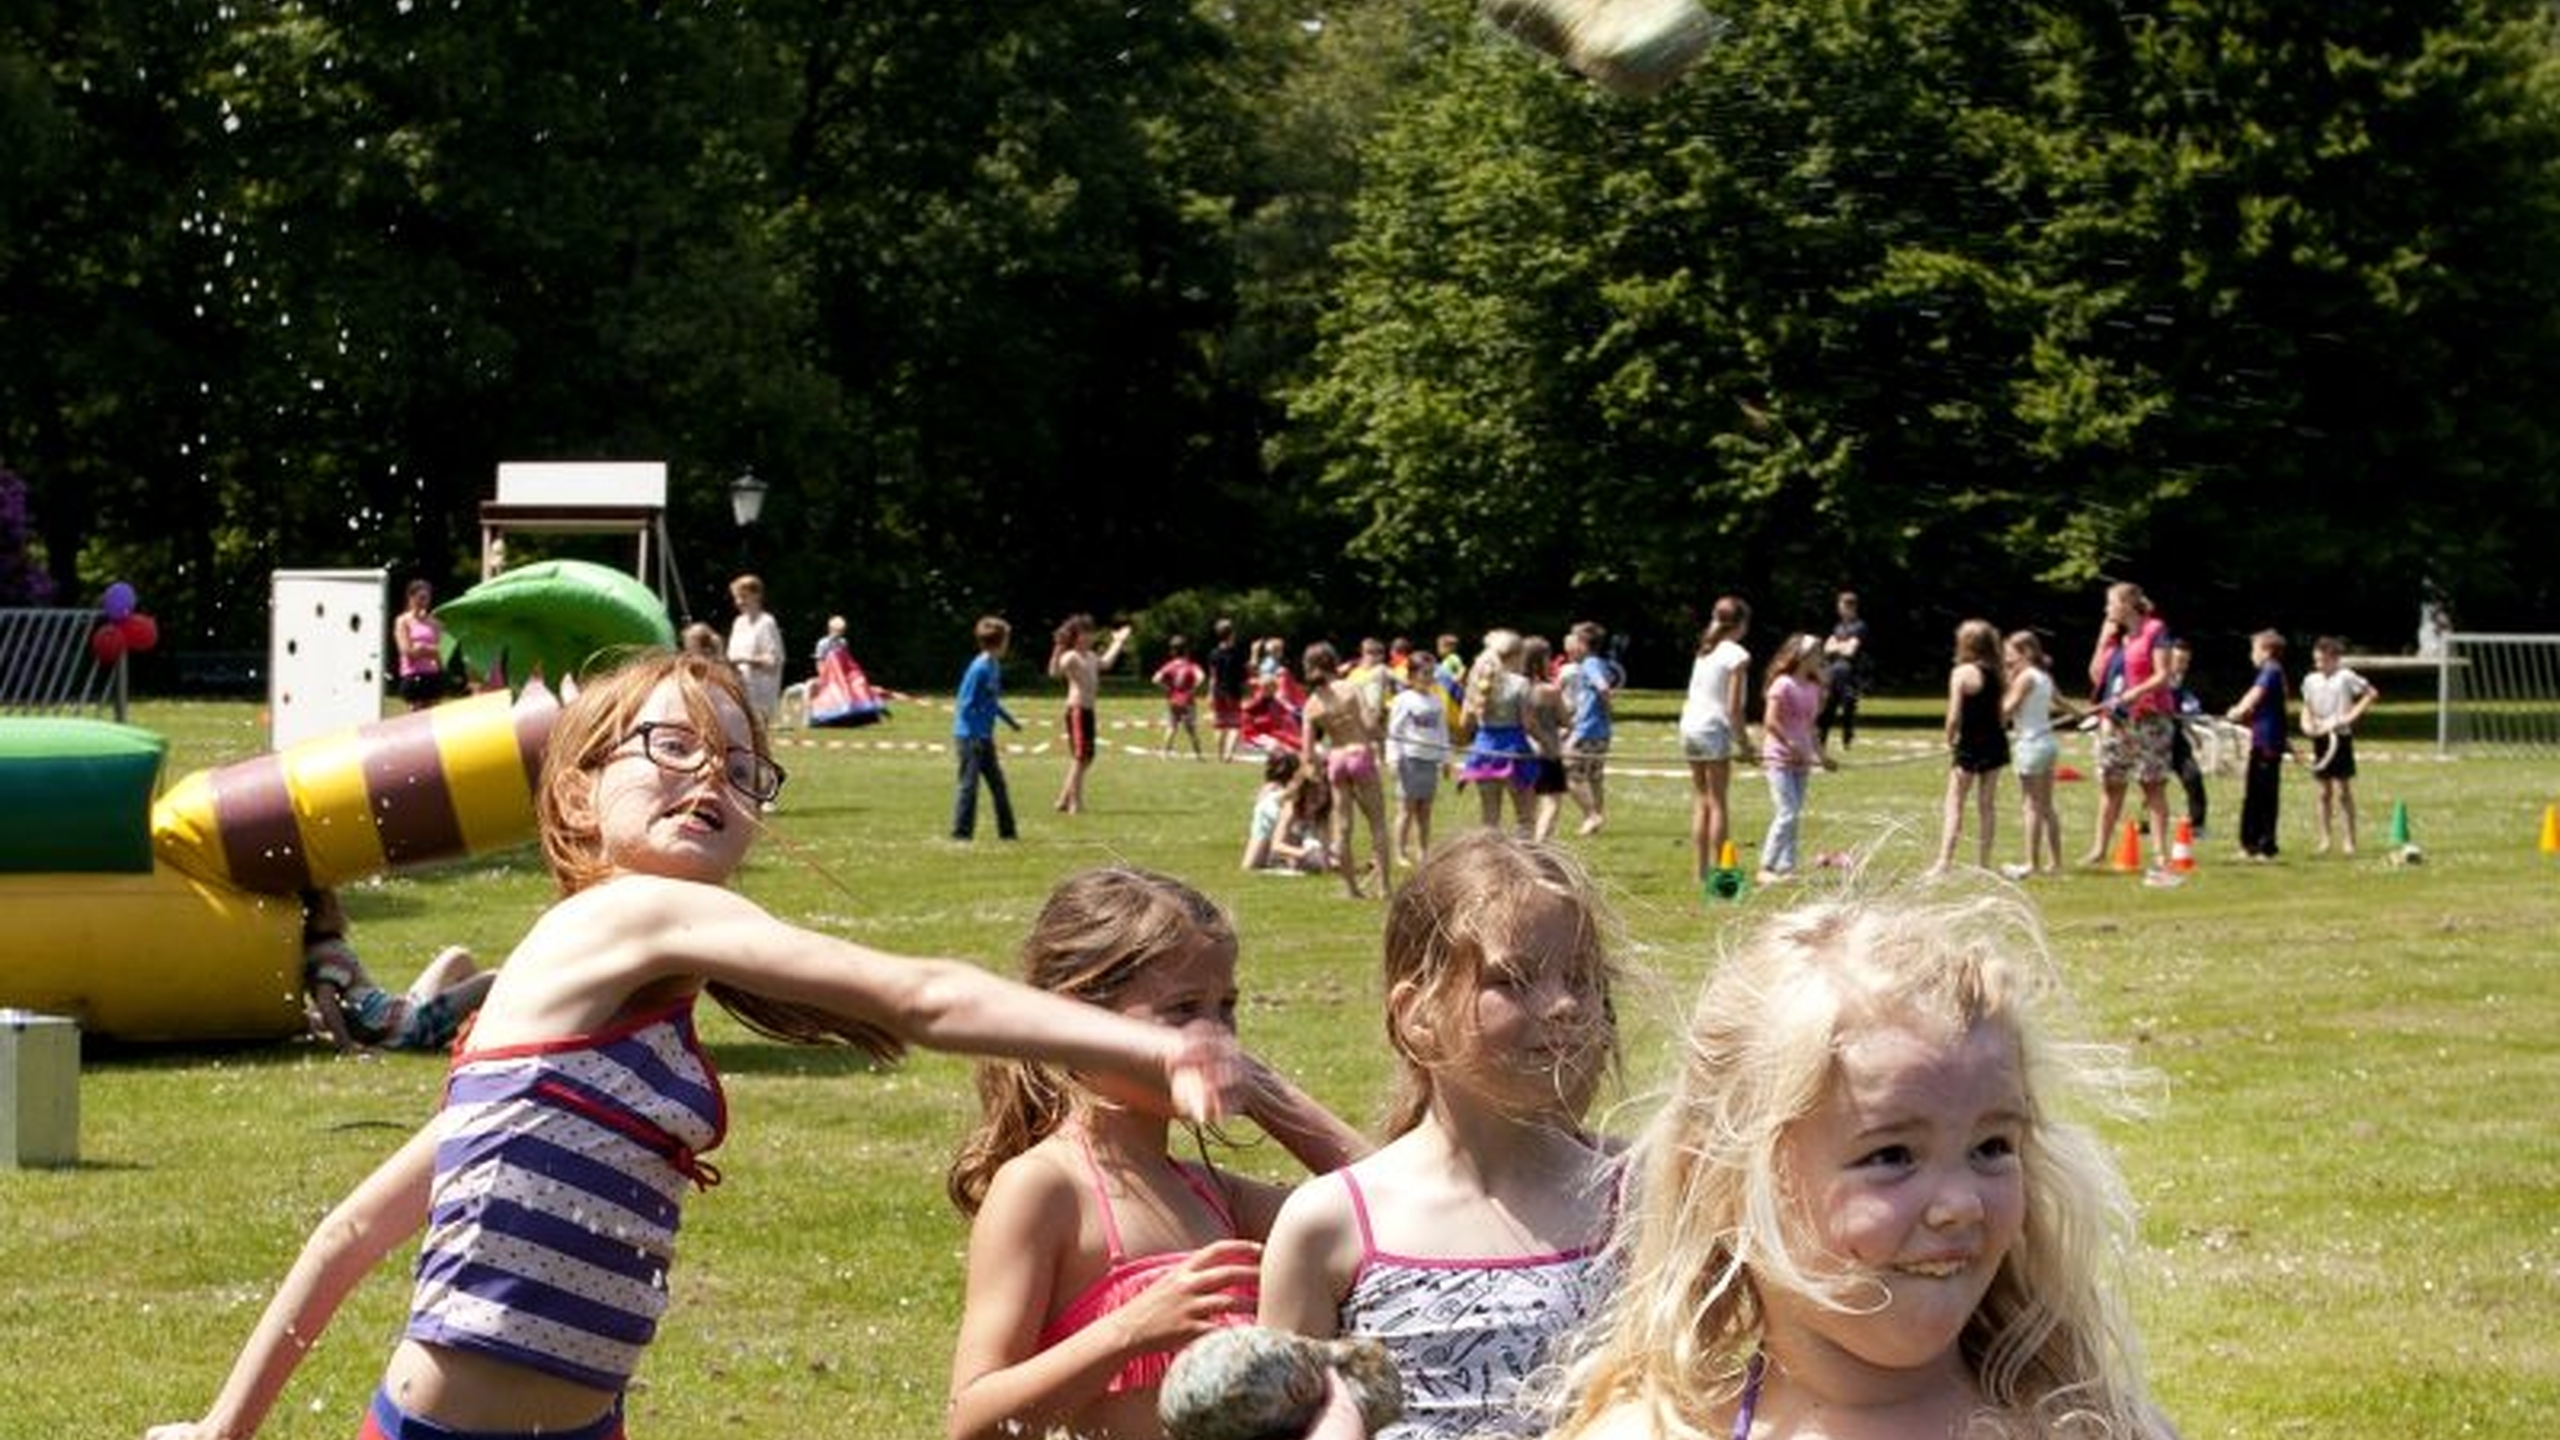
(1206, 1073)
(1192, 1298)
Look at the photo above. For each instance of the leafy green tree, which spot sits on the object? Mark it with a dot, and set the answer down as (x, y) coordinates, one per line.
(1969, 303)
(1017, 225)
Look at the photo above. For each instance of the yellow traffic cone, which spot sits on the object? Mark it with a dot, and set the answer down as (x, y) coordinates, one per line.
(2551, 829)
(1725, 881)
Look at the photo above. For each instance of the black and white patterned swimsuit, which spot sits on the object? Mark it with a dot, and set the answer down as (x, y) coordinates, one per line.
(1466, 1333)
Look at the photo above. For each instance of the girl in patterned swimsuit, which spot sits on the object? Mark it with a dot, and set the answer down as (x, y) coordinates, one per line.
(1469, 1244)
(1872, 1206)
(577, 1110)
(1093, 1253)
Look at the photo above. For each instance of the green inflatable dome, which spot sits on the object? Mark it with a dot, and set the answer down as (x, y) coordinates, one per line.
(560, 618)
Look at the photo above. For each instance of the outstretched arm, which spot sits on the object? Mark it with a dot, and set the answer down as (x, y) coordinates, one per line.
(1110, 655)
(2246, 706)
(659, 929)
(1315, 1136)
(386, 1208)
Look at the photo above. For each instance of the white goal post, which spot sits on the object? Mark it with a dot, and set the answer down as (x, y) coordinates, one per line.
(2499, 693)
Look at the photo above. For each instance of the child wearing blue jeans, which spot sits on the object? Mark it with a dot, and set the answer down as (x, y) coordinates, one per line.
(973, 733)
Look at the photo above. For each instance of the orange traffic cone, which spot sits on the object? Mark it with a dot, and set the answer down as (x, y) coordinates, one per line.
(2129, 849)
(2551, 829)
(2182, 848)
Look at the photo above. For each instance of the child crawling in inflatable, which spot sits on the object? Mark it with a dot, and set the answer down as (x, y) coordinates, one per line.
(355, 1014)
(840, 694)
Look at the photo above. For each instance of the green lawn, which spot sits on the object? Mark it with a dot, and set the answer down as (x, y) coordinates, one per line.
(2351, 1190)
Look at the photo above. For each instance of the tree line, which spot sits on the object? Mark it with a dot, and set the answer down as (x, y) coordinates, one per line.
(1343, 318)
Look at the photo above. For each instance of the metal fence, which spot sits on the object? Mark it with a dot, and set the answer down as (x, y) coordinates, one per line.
(46, 666)
(2500, 693)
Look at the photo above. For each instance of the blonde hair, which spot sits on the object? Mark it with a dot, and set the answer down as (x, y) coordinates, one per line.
(589, 729)
(1099, 931)
(1791, 657)
(1440, 922)
(2029, 645)
(1714, 1224)
(1501, 653)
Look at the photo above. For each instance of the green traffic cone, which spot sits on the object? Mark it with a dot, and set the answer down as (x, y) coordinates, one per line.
(2399, 824)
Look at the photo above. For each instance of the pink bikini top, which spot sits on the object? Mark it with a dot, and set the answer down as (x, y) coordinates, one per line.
(1128, 1275)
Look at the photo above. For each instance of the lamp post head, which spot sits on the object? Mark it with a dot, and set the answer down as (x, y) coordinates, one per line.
(746, 497)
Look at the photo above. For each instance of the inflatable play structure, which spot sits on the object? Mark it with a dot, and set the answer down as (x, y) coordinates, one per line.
(178, 917)
(842, 695)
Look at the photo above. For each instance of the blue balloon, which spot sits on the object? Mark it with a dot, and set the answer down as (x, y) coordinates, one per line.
(119, 601)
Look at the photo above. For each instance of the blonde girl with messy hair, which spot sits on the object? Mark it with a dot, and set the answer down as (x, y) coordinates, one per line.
(1869, 1205)
(579, 1109)
(1094, 1255)
(1469, 1244)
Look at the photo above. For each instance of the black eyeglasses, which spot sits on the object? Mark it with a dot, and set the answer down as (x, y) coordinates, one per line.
(678, 747)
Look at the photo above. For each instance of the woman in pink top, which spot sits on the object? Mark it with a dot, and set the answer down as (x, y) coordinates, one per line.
(420, 641)
(2129, 690)
(1790, 748)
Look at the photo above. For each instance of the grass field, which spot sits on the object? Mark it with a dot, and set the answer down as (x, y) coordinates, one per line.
(2351, 1189)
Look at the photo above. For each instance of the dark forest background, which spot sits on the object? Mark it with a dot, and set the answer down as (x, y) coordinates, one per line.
(1340, 319)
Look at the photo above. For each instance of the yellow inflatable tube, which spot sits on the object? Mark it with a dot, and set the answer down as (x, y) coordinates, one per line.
(429, 785)
(158, 956)
(208, 944)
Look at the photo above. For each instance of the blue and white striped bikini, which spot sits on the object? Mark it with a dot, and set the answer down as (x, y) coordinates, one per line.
(560, 1172)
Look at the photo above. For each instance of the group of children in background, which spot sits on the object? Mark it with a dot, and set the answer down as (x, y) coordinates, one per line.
(1528, 729)
(1870, 1192)
(1525, 728)
(2001, 709)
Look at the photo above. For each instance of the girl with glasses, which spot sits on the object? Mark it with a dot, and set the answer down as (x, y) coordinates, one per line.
(581, 1104)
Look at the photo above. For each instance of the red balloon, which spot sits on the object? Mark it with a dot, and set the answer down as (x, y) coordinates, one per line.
(107, 643)
(140, 632)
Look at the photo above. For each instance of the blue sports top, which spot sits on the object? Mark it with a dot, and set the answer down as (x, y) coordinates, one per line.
(560, 1171)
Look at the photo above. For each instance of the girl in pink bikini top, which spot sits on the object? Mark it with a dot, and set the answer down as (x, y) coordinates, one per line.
(1094, 1255)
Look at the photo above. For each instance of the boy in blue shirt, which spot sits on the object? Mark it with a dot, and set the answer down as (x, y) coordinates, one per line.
(973, 733)
(2262, 710)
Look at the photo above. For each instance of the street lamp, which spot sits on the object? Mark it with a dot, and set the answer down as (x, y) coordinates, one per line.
(746, 497)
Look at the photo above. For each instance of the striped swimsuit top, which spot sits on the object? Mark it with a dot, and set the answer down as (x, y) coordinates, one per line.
(1467, 1334)
(560, 1172)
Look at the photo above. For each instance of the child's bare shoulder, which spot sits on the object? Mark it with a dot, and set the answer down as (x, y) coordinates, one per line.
(1036, 1192)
